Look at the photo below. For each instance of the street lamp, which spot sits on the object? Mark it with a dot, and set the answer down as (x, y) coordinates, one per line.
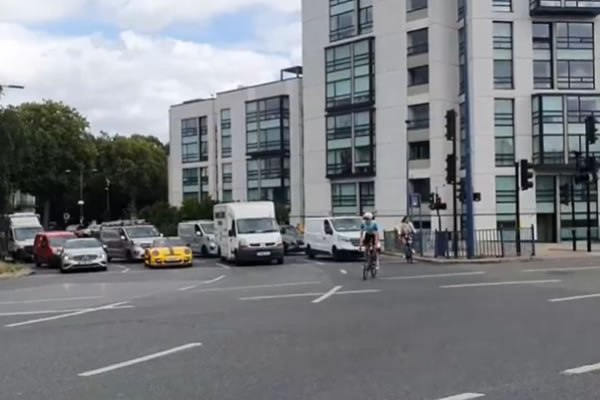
(2, 87)
(81, 202)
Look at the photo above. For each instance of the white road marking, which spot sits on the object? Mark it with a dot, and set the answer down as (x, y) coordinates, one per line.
(561, 269)
(327, 295)
(466, 285)
(139, 360)
(585, 296)
(274, 285)
(55, 299)
(358, 291)
(71, 314)
(124, 269)
(223, 266)
(343, 271)
(464, 396)
(217, 279)
(183, 289)
(582, 370)
(19, 313)
(319, 263)
(432, 276)
(292, 295)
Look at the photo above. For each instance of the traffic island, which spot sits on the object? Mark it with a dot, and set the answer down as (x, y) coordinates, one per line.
(8, 271)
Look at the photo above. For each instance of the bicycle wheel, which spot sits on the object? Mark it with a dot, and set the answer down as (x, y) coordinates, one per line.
(366, 264)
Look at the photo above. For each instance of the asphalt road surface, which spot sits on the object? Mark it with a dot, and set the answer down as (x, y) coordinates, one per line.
(309, 329)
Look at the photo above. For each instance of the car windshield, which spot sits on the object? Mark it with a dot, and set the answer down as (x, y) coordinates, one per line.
(82, 244)
(291, 230)
(168, 242)
(138, 232)
(27, 233)
(59, 241)
(209, 229)
(347, 224)
(256, 225)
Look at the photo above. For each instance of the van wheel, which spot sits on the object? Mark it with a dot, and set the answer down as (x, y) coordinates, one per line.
(237, 260)
(221, 256)
(335, 254)
(310, 253)
(280, 261)
(129, 256)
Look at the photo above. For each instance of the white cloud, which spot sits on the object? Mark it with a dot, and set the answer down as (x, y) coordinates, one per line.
(124, 85)
(145, 15)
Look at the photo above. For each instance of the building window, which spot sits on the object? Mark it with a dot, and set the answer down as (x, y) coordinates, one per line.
(504, 132)
(505, 202)
(195, 183)
(542, 56)
(352, 198)
(190, 145)
(351, 144)
(418, 42)
(204, 193)
(350, 74)
(189, 196)
(503, 63)
(580, 225)
(575, 55)
(343, 17)
(268, 125)
(268, 179)
(227, 184)
(422, 187)
(414, 5)
(460, 9)
(462, 60)
(226, 133)
(418, 75)
(190, 177)
(502, 5)
(463, 135)
(418, 150)
(418, 116)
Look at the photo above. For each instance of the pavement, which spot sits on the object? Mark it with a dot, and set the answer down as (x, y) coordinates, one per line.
(308, 329)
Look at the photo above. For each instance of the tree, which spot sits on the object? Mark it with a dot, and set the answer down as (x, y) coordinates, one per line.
(282, 213)
(57, 139)
(163, 216)
(11, 154)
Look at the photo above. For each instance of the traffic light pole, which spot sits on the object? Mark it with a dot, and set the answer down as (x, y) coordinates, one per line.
(518, 210)
(573, 230)
(454, 206)
(587, 199)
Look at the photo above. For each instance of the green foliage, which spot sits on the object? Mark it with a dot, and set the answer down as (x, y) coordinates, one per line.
(12, 145)
(163, 216)
(192, 210)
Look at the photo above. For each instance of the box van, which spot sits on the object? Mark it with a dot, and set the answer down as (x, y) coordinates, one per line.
(17, 233)
(248, 232)
(199, 236)
(128, 239)
(334, 236)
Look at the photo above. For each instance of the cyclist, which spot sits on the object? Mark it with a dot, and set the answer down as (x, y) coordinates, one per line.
(369, 235)
(407, 231)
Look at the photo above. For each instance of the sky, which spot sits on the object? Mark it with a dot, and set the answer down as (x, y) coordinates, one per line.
(122, 63)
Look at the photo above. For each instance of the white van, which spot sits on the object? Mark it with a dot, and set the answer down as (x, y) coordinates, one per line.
(334, 236)
(248, 232)
(199, 236)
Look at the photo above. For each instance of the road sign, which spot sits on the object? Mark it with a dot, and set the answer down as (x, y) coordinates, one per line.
(415, 200)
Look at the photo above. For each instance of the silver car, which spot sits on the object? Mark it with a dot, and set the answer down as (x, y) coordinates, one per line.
(83, 254)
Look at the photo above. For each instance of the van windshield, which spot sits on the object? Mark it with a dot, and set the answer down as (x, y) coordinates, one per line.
(27, 233)
(209, 229)
(257, 225)
(347, 224)
(138, 232)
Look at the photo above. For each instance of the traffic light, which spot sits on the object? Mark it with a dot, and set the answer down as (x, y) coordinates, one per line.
(526, 175)
(476, 197)
(450, 168)
(565, 194)
(590, 129)
(431, 201)
(462, 190)
(450, 124)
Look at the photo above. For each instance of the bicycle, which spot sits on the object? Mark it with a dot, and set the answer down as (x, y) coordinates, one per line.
(408, 249)
(369, 265)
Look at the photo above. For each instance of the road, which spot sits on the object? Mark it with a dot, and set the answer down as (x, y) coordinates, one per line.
(309, 329)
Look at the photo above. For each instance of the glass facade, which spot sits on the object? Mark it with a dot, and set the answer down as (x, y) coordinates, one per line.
(349, 18)
(503, 55)
(351, 144)
(418, 75)
(268, 125)
(575, 55)
(190, 144)
(226, 149)
(506, 199)
(580, 223)
(414, 5)
(227, 183)
(504, 132)
(269, 179)
(502, 5)
(353, 198)
(418, 150)
(195, 183)
(418, 116)
(417, 42)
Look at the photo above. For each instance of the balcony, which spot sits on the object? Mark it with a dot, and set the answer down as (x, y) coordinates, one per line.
(564, 7)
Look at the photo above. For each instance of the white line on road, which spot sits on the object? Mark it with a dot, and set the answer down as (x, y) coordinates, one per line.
(223, 266)
(124, 269)
(358, 291)
(430, 276)
(343, 271)
(464, 396)
(582, 370)
(319, 263)
(293, 295)
(20, 313)
(54, 299)
(183, 289)
(327, 295)
(466, 285)
(72, 314)
(139, 360)
(274, 285)
(217, 279)
(585, 296)
(561, 269)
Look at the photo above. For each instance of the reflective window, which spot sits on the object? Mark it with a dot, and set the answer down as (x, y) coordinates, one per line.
(504, 132)
(352, 198)
(349, 18)
(226, 133)
(503, 49)
(418, 116)
(418, 75)
(351, 144)
(417, 42)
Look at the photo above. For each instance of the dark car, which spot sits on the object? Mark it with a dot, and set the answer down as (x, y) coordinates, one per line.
(293, 240)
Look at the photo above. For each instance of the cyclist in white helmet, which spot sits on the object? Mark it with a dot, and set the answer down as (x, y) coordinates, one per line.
(369, 235)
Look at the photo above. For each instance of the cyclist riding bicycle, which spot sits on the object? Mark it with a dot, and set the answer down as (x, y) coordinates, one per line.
(369, 236)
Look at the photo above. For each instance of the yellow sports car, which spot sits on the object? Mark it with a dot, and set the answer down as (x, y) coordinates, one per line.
(168, 252)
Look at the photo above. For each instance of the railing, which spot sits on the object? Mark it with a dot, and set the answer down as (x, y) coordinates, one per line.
(417, 48)
(579, 5)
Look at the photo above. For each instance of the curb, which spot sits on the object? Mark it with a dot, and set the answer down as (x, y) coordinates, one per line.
(19, 274)
(453, 261)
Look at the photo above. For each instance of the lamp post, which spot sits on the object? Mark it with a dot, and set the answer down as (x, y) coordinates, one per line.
(81, 202)
(2, 87)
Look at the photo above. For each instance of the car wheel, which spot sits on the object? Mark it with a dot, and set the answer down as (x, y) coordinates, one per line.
(204, 251)
(280, 261)
(310, 253)
(38, 264)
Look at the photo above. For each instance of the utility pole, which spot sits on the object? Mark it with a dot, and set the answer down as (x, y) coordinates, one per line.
(525, 178)
(451, 175)
(590, 138)
(518, 210)
(107, 189)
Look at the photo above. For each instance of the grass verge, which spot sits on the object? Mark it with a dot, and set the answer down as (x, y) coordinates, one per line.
(13, 270)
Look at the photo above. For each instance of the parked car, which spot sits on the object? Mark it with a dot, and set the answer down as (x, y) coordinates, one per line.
(128, 240)
(293, 240)
(168, 252)
(17, 234)
(334, 236)
(199, 236)
(83, 254)
(47, 247)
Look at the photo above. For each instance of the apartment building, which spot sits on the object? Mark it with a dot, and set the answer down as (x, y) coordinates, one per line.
(379, 76)
(241, 144)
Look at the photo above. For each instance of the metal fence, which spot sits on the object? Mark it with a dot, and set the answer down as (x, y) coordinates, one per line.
(489, 243)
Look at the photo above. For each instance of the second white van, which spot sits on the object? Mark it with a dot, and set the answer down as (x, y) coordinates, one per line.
(337, 237)
(199, 236)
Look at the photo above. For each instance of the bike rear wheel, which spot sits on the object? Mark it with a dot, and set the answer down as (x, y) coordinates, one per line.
(366, 266)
